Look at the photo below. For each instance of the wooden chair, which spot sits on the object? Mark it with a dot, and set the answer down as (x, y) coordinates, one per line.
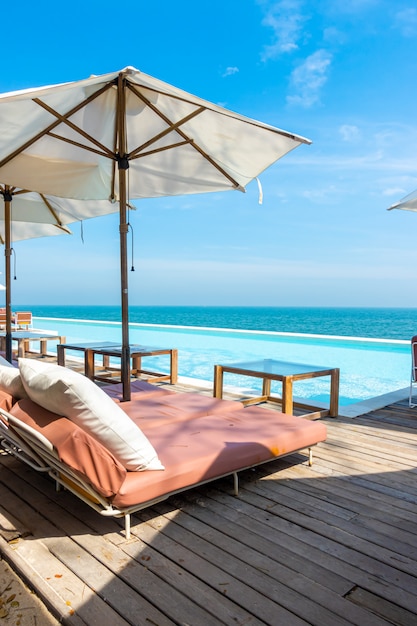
(413, 380)
(23, 320)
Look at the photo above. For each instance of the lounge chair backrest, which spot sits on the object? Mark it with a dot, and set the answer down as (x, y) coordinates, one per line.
(414, 359)
(23, 319)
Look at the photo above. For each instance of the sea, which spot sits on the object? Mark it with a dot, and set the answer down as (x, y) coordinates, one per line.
(370, 346)
(382, 323)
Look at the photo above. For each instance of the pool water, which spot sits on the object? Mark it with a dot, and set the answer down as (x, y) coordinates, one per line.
(368, 367)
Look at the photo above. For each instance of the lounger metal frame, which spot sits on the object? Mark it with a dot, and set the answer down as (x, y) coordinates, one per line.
(413, 379)
(31, 447)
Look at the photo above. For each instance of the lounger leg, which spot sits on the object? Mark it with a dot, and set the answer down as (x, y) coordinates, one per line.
(411, 404)
(127, 525)
(310, 456)
(235, 483)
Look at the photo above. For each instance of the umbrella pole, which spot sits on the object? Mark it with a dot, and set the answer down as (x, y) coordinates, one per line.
(125, 365)
(123, 165)
(7, 258)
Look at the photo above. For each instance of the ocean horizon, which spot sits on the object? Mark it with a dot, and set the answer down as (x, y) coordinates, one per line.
(369, 322)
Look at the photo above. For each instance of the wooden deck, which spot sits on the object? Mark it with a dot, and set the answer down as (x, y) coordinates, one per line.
(333, 544)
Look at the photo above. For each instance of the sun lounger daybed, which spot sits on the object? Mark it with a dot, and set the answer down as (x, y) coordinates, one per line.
(122, 457)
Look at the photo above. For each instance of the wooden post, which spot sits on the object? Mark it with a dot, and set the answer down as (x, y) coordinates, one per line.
(334, 393)
(7, 254)
(218, 382)
(174, 366)
(123, 165)
(287, 401)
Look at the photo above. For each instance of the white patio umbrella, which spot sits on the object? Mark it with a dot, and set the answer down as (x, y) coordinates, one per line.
(128, 135)
(408, 203)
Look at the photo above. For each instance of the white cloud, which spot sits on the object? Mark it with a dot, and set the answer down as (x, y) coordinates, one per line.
(332, 35)
(370, 161)
(286, 22)
(406, 22)
(349, 132)
(394, 191)
(321, 194)
(309, 77)
(229, 71)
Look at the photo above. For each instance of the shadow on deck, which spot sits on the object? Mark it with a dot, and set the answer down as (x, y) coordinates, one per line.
(331, 544)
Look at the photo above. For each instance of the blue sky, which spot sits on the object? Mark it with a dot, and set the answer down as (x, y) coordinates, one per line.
(341, 73)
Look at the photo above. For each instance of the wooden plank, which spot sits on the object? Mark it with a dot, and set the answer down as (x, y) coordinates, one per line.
(380, 606)
(334, 543)
(144, 570)
(349, 499)
(67, 568)
(291, 590)
(317, 547)
(173, 566)
(27, 567)
(362, 524)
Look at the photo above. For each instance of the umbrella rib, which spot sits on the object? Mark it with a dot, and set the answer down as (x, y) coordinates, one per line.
(106, 153)
(63, 228)
(50, 127)
(157, 150)
(52, 211)
(174, 127)
(64, 119)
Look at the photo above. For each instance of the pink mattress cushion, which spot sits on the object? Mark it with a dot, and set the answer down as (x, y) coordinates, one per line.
(6, 401)
(202, 449)
(138, 389)
(76, 448)
(159, 410)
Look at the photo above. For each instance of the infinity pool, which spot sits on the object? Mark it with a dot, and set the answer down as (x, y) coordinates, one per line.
(368, 367)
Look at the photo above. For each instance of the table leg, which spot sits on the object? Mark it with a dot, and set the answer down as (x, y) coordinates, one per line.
(21, 348)
(334, 393)
(136, 366)
(60, 355)
(174, 366)
(287, 400)
(266, 387)
(218, 382)
(89, 364)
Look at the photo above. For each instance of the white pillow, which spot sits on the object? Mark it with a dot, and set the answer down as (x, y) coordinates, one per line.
(68, 393)
(10, 381)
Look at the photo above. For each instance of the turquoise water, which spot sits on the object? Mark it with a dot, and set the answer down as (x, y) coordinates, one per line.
(384, 323)
(369, 368)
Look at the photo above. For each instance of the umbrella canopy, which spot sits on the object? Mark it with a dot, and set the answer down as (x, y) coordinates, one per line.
(32, 215)
(27, 215)
(408, 203)
(39, 215)
(128, 135)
